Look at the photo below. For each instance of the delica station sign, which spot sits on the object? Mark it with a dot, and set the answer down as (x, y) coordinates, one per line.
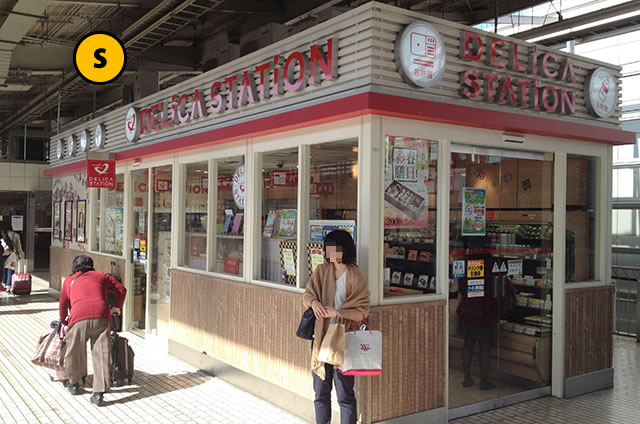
(293, 73)
(524, 92)
(538, 79)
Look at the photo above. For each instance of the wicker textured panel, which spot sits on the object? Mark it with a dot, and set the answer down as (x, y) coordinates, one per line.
(413, 362)
(253, 329)
(62, 259)
(249, 327)
(588, 330)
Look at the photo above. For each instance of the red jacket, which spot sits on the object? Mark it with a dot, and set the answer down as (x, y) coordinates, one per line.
(88, 297)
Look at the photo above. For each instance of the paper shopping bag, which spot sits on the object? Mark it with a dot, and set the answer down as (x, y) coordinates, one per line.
(363, 353)
(332, 347)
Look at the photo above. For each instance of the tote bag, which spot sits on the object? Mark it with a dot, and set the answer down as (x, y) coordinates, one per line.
(363, 352)
(332, 347)
(51, 350)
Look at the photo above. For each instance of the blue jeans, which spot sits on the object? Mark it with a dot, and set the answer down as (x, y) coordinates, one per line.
(6, 277)
(344, 390)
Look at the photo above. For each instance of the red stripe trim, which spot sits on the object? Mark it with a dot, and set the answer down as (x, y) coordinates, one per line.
(375, 104)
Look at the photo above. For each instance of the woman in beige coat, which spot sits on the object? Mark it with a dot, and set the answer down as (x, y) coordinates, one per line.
(337, 291)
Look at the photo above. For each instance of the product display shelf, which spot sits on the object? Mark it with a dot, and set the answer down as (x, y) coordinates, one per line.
(230, 236)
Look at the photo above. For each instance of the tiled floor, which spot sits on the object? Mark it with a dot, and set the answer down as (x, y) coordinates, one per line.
(167, 390)
(620, 405)
(164, 390)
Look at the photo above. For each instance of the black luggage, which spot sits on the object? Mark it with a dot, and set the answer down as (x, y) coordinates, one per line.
(121, 361)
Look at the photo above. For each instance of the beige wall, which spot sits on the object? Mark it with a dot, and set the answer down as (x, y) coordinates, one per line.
(21, 176)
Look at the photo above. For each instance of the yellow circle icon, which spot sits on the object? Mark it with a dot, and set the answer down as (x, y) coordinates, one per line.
(99, 58)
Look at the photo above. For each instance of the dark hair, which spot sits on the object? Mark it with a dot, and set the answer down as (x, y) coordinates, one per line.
(4, 225)
(342, 239)
(82, 263)
(5, 236)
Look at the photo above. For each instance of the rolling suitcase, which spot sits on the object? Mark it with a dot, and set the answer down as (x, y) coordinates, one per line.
(121, 361)
(21, 283)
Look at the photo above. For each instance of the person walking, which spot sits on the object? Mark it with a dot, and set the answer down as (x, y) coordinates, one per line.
(12, 252)
(84, 292)
(337, 291)
(8, 261)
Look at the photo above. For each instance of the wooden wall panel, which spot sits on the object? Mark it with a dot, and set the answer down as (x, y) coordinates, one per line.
(249, 327)
(588, 330)
(413, 362)
(252, 328)
(62, 259)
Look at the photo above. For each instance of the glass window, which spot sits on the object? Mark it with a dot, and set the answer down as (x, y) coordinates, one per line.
(623, 182)
(98, 216)
(279, 216)
(410, 190)
(230, 215)
(196, 199)
(114, 218)
(333, 195)
(581, 219)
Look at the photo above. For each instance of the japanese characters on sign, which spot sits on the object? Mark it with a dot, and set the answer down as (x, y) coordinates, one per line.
(474, 202)
(420, 54)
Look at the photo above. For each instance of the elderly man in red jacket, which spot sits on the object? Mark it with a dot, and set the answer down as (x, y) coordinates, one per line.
(85, 293)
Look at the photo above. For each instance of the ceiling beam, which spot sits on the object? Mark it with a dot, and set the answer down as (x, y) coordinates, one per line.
(504, 8)
(594, 32)
(113, 3)
(587, 18)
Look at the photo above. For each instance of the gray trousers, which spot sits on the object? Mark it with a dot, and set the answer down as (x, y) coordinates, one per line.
(97, 331)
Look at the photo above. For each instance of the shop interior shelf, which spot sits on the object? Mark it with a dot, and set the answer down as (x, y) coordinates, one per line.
(230, 236)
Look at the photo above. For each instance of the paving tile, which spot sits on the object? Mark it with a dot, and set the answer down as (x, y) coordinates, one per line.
(164, 390)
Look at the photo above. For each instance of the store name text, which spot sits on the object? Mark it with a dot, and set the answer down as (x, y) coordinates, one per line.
(290, 74)
(524, 93)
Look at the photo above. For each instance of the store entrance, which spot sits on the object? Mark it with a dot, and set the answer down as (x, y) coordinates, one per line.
(151, 250)
(500, 302)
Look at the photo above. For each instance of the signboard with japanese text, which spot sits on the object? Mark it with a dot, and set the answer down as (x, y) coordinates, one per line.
(474, 201)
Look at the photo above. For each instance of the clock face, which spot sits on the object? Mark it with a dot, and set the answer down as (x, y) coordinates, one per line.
(83, 140)
(59, 149)
(71, 145)
(98, 136)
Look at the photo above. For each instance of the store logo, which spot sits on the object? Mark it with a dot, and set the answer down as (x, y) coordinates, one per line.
(103, 169)
(98, 136)
(239, 180)
(83, 140)
(601, 93)
(364, 347)
(132, 125)
(59, 149)
(101, 173)
(420, 54)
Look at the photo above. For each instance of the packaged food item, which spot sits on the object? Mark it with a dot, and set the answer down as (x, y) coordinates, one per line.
(405, 199)
(396, 278)
(408, 279)
(523, 301)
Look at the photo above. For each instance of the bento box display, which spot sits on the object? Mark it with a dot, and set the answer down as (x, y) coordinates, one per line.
(404, 199)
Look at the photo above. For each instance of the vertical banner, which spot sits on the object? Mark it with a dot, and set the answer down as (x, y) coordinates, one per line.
(474, 202)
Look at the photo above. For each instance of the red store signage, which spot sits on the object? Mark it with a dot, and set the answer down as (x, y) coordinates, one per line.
(284, 178)
(244, 88)
(535, 92)
(321, 188)
(101, 173)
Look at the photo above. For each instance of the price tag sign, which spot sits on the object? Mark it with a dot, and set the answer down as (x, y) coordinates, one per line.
(475, 269)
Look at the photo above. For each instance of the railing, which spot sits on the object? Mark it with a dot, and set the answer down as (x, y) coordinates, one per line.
(627, 281)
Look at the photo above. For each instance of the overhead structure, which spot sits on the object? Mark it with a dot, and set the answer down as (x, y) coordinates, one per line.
(614, 20)
(167, 42)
